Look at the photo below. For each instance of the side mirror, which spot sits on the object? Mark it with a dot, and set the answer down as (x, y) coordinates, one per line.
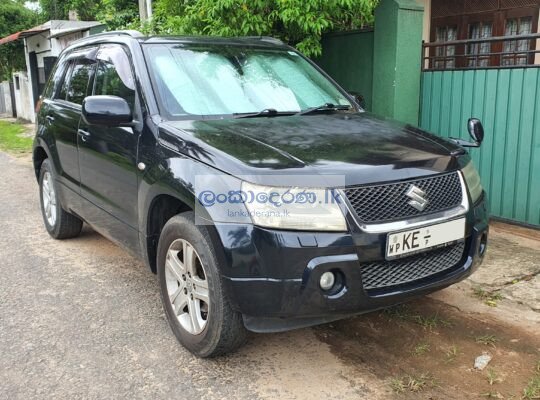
(476, 130)
(106, 111)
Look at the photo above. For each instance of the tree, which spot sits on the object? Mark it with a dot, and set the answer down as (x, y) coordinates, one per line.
(14, 17)
(300, 23)
(118, 14)
(59, 9)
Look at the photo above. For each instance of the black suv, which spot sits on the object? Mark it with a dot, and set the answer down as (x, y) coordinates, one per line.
(256, 188)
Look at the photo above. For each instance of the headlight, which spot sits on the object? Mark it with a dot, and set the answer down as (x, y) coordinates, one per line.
(473, 181)
(293, 208)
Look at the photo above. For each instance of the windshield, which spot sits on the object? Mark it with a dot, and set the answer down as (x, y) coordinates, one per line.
(225, 80)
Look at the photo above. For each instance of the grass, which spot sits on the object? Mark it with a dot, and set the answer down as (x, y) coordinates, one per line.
(487, 340)
(492, 377)
(431, 322)
(489, 298)
(400, 312)
(11, 139)
(451, 353)
(412, 383)
(532, 390)
(404, 313)
(421, 348)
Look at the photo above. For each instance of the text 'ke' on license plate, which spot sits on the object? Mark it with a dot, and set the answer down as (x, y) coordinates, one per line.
(417, 240)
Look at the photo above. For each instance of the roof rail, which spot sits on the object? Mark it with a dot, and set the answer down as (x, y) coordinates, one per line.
(128, 32)
(269, 39)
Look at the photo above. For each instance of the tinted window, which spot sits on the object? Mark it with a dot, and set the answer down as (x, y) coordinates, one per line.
(113, 75)
(55, 79)
(78, 85)
(61, 94)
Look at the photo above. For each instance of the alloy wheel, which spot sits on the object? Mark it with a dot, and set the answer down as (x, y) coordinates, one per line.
(49, 198)
(187, 287)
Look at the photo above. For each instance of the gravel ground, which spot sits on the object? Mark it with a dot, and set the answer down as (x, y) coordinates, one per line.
(82, 319)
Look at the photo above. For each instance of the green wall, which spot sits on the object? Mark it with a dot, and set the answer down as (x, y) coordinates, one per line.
(396, 63)
(508, 103)
(348, 58)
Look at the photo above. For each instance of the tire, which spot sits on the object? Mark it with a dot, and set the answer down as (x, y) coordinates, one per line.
(59, 223)
(201, 317)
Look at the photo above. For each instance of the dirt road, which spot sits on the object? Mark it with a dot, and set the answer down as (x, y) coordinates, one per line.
(83, 319)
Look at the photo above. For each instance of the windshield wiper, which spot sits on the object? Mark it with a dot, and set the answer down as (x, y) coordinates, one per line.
(267, 112)
(324, 107)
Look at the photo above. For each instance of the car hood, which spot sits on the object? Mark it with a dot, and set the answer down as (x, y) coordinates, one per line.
(359, 146)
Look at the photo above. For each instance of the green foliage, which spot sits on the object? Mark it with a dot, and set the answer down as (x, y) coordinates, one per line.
(14, 17)
(300, 23)
(118, 14)
(59, 9)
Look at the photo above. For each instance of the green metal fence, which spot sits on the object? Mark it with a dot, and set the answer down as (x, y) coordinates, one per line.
(508, 103)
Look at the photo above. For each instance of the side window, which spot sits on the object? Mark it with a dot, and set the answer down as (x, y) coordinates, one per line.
(78, 83)
(55, 79)
(114, 76)
(64, 83)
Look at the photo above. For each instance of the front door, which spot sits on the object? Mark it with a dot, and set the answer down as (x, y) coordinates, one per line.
(108, 155)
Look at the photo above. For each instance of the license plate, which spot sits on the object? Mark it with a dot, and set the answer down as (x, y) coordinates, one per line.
(418, 240)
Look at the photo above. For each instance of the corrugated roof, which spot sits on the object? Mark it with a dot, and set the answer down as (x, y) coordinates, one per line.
(22, 34)
(57, 28)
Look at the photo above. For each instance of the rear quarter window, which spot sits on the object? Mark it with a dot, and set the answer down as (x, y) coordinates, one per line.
(56, 79)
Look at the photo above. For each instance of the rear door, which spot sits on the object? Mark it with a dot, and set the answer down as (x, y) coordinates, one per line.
(108, 155)
(61, 113)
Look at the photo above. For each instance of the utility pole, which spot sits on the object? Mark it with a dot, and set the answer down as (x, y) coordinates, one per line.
(145, 10)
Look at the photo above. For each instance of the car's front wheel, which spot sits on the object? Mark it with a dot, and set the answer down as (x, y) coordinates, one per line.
(192, 291)
(59, 223)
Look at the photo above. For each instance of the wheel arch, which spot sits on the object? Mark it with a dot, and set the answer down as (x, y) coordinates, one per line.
(39, 155)
(162, 208)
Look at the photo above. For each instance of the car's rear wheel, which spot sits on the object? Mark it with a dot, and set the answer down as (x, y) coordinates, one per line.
(192, 290)
(59, 223)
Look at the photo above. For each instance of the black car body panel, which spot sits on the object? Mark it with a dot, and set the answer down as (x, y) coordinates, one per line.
(272, 275)
(362, 147)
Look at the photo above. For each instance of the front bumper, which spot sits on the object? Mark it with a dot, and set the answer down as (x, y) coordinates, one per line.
(272, 277)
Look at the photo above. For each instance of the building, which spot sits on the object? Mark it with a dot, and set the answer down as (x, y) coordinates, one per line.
(437, 63)
(42, 45)
(483, 21)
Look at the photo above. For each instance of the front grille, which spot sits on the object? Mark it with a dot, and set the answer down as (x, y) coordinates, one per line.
(383, 274)
(389, 202)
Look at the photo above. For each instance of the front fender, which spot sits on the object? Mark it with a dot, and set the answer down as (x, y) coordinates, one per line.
(177, 176)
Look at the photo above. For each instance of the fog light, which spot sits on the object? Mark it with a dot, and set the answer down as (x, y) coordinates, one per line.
(327, 280)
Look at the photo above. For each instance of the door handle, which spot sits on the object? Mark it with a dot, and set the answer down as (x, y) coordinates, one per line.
(84, 135)
(49, 118)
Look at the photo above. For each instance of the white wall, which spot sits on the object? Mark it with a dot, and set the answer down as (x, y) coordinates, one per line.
(41, 45)
(44, 47)
(427, 19)
(5, 100)
(537, 57)
(23, 96)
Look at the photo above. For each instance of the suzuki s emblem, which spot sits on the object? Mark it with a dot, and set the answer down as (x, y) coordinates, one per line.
(418, 198)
